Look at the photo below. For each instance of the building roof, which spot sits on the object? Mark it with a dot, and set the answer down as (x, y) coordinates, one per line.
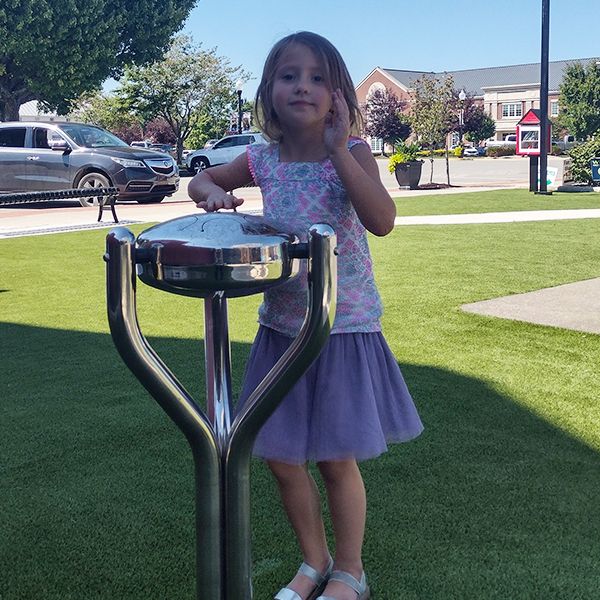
(473, 81)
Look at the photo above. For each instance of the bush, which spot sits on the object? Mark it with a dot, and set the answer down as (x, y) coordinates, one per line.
(555, 150)
(500, 151)
(427, 153)
(580, 159)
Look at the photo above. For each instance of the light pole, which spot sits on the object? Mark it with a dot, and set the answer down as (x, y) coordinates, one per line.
(239, 84)
(461, 115)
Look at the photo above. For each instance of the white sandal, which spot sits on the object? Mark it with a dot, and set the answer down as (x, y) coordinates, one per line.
(319, 579)
(360, 587)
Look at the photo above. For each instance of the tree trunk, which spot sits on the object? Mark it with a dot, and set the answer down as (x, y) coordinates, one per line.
(9, 109)
(447, 166)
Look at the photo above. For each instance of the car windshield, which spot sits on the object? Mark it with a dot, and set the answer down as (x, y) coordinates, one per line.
(89, 136)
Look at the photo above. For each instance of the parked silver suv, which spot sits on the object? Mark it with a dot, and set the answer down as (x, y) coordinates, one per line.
(223, 151)
(56, 156)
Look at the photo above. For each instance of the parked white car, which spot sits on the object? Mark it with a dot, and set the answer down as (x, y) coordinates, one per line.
(224, 151)
(470, 151)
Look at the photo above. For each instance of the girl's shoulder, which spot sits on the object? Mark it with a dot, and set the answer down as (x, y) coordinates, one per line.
(354, 141)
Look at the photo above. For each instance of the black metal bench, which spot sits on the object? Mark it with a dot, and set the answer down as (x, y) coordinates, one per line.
(107, 197)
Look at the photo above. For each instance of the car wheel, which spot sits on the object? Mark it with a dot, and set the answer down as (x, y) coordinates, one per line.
(92, 180)
(150, 199)
(199, 164)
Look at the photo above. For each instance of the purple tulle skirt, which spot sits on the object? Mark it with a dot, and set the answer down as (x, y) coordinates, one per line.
(350, 403)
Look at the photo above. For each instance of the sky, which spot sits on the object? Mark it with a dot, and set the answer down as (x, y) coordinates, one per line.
(420, 35)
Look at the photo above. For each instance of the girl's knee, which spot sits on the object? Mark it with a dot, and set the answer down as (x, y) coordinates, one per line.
(286, 473)
(335, 470)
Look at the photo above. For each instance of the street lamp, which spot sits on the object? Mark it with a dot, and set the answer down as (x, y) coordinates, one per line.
(461, 115)
(239, 84)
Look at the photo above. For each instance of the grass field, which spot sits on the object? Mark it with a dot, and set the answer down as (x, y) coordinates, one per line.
(493, 201)
(498, 499)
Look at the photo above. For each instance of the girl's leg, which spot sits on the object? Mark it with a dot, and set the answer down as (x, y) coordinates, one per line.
(348, 507)
(302, 505)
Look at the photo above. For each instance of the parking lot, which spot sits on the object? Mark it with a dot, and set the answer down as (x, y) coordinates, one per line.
(466, 174)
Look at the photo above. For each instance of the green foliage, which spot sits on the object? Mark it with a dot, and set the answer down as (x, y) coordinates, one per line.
(433, 113)
(579, 99)
(478, 125)
(404, 153)
(495, 151)
(187, 88)
(580, 159)
(109, 111)
(205, 129)
(55, 50)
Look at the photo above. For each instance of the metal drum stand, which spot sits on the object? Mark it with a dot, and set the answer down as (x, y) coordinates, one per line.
(216, 256)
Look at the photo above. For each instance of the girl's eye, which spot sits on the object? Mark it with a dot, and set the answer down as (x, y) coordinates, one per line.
(319, 78)
(287, 77)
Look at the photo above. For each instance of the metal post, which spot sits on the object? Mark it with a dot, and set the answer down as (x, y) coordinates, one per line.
(543, 188)
(239, 95)
(217, 360)
(533, 172)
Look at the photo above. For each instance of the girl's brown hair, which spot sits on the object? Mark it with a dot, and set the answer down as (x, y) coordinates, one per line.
(335, 72)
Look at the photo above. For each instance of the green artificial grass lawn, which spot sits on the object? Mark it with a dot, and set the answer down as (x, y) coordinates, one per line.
(497, 499)
(493, 201)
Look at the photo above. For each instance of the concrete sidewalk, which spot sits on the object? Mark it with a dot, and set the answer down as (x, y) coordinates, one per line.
(571, 306)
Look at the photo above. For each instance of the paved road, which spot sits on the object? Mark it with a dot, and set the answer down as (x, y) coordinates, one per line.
(467, 174)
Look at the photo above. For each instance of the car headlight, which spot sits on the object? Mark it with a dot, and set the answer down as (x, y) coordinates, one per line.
(129, 163)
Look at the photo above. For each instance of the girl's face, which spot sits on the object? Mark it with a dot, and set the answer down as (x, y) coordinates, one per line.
(301, 95)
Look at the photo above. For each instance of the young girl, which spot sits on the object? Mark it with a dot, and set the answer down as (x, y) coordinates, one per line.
(353, 398)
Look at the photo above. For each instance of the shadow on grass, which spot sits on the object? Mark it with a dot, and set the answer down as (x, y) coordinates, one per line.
(97, 494)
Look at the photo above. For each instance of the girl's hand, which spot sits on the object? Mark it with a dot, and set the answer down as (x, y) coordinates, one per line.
(337, 125)
(219, 199)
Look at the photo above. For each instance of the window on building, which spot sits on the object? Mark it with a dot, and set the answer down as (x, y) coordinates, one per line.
(554, 108)
(512, 109)
(376, 145)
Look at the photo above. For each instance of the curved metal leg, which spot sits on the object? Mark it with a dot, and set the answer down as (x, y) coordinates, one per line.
(175, 401)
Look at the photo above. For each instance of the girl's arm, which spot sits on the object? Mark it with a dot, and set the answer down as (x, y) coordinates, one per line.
(359, 174)
(358, 171)
(208, 189)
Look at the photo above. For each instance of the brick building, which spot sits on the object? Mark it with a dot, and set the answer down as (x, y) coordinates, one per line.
(506, 93)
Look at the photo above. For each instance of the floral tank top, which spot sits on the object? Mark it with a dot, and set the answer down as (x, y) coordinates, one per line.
(295, 196)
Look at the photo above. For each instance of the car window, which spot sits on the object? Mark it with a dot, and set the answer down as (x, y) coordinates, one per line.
(90, 136)
(40, 138)
(243, 140)
(12, 137)
(226, 143)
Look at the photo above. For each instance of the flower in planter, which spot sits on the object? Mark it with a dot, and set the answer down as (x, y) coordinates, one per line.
(404, 153)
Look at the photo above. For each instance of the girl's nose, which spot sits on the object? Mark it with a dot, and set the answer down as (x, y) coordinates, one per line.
(301, 85)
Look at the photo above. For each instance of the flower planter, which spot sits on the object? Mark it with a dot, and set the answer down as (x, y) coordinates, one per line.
(408, 174)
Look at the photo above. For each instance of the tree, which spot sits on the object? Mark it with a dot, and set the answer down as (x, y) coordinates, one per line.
(477, 124)
(106, 110)
(384, 118)
(55, 50)
(433, 114)
(188, 85)
(579, 99)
